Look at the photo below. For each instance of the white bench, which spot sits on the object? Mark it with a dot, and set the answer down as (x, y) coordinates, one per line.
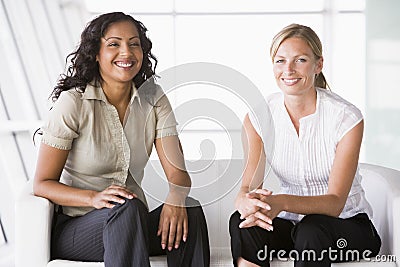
(215, 185)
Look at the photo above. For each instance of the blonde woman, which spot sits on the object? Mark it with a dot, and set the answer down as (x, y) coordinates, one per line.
(321, 209)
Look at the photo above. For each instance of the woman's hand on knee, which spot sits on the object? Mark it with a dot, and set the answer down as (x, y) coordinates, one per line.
(173, 226)
(110, 196)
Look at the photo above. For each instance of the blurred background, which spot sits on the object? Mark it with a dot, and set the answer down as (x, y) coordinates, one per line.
(361, 40)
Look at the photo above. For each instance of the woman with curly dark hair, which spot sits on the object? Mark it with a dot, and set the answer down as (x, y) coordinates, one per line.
(107, 114)
(84, 67)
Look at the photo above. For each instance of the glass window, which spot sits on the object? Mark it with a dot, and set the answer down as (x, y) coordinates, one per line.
(346, 5)
(233, 33)
(348, 50)
(162, 34)
(227, 40)
(135, 6)
(237, 34)
(255, 6)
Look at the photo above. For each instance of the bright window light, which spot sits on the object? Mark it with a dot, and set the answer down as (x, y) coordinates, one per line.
(129, 6)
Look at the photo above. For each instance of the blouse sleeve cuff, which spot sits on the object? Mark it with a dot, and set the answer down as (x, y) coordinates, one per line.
(56, 142)
(170, 131)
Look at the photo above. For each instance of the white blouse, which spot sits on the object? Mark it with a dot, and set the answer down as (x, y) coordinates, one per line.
(303, 161)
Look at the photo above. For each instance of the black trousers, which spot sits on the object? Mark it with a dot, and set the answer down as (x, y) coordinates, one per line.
(317, 240)
(126, 235)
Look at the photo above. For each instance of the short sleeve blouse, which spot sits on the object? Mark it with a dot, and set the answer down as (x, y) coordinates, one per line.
(303, 161)
(102, 151)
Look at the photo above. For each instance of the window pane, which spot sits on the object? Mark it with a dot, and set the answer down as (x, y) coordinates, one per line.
(353, 5)
(103, 6)
(248, 6)
(15, 85)
(211, 107)
(242, 46)
(347, 64)
(161, 33)
(383, 78)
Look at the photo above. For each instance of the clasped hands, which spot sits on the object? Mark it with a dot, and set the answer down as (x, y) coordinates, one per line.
(258, 208)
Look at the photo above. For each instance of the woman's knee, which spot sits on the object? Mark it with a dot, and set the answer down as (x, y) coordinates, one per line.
(131, 208)
(312, 231)
(197, 225)
(194, 210)
(234, 221)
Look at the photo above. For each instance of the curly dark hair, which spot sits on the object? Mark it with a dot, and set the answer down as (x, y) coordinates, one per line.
(84, 68)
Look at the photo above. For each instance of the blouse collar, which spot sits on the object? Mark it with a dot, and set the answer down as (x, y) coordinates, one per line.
(97, 93)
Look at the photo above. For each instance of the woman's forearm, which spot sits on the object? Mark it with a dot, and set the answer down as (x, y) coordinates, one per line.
(324, 204)
(179, 188)
(62, 194)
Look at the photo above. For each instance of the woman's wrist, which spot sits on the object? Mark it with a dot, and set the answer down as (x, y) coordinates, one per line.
(91, 195)
(176, 198)
(239, 198)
